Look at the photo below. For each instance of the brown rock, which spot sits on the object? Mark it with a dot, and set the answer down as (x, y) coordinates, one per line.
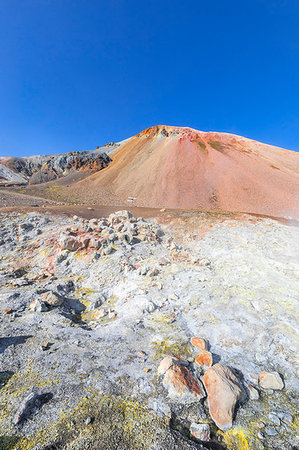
(7, 311)
(271, 380)
(204, 358)
(199, 343)
(181, 383)
(224, 392)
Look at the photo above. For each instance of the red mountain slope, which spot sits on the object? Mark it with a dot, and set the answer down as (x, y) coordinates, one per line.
(183, 168)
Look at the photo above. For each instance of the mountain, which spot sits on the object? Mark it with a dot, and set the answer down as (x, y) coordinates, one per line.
(43, 168)
(184, 168)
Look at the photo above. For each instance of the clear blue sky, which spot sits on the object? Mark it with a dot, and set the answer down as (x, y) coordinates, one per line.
(75, 74)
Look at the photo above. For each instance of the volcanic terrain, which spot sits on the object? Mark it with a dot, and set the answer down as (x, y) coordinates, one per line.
(183, 168)
(154, 328)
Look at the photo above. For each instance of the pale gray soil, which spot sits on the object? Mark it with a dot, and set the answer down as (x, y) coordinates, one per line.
(233, 281)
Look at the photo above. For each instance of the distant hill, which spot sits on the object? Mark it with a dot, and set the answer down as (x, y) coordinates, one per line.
(44, 168)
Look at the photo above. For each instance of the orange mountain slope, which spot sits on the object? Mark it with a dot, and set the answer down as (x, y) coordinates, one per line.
(184, 168)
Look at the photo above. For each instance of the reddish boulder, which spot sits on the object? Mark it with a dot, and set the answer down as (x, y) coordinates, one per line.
(224, 391)
(180, 381)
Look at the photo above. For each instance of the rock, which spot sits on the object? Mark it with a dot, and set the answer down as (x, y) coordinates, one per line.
(260, 435)
(271, 380)
(181, 383)
(253, 393)
(29, 405)
(69, 242)
(52, 298)
(153, 272)
(37, 306)
(151, 307)
(7, 311)
(204, 358)
(224, 392)
(285, 417)
(199, 343)
(88, 420)
(112, 314)
(200, 431)
(270, 431)
(274, 419)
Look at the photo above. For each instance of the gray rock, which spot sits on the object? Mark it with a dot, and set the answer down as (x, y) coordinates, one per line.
(29, 406)
(270, 431)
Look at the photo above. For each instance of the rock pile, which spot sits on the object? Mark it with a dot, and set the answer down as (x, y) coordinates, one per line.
(107, 235)
(224, 390)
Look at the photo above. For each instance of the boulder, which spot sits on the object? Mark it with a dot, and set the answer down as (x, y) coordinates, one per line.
(271, 380)
(180, 382)
(224, 392)
(69, 242)
(52, 298)
(124, 214)
(37, 306)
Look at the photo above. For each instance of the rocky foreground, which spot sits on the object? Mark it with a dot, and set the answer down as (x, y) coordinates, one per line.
(121, 333)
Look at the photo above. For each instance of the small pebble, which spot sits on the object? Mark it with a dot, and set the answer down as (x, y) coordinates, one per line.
(270, 431)
(88, 421)
(260, 435)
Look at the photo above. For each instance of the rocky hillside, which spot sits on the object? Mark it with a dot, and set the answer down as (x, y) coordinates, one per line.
(125, 333)
(42, 168)
(184, 168)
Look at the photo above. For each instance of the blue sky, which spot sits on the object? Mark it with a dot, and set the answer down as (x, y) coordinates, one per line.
(75, 74)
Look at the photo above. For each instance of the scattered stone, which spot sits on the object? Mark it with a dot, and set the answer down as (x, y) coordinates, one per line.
(30, 405)
(37, 306)
(261, 435)
(273, 418)
(7, 311)
(69, 242)
(270, 431)
(88, 420)
(46, 346)
(199, 343)
(112, 314)
(224, 392)
(271, 380)
(200, 431)
(52, 298)
(253, 393)
(285, 417)
(204, 358)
